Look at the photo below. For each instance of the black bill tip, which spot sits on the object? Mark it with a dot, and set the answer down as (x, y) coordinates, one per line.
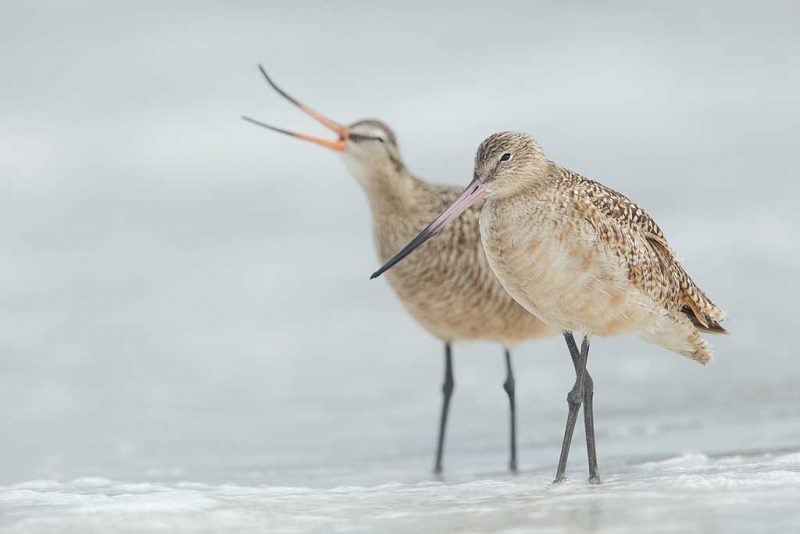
(280, 91)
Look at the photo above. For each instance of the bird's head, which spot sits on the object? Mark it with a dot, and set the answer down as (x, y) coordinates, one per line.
(367, 146)
(506, 161)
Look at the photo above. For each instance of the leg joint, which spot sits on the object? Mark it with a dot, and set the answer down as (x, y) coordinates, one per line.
(575, 397)
(448, 386)
(509, 385)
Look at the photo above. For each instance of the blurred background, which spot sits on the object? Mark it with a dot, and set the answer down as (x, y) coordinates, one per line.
(185, 296)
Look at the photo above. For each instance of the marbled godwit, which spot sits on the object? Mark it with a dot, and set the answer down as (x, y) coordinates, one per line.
(580, 256)
(449, 289)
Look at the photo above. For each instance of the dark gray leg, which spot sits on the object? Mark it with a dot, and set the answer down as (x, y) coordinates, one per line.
(588, 421)
(508, 385)
(574, 400)
(588, 410)
(447, 391)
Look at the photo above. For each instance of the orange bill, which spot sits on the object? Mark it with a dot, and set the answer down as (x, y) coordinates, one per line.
(343, 131)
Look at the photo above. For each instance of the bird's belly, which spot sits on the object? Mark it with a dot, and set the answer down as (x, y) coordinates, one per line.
(569, 283)
(464, 309)
(452, 292)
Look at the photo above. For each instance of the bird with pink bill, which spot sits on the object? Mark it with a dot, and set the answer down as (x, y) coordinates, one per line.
(579, 256)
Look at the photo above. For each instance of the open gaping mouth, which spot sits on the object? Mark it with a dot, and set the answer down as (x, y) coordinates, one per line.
(342, 131)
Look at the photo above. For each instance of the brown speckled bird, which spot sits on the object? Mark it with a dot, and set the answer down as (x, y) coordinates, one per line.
(580, 256)
(449, 287)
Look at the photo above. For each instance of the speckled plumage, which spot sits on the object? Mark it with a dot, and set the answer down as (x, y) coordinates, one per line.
(448, 286)
(457, 297)
(583, 257)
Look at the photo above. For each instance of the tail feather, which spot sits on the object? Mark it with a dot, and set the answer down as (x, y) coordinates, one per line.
(703, 313)
(701, 351)
(711, 326)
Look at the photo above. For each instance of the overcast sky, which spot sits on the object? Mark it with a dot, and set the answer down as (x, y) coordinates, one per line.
(167, 267)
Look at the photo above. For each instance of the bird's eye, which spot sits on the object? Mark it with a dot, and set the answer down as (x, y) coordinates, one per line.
(380, 139)
(505, 157)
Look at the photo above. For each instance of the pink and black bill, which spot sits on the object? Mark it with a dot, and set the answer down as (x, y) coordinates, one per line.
(475, 191)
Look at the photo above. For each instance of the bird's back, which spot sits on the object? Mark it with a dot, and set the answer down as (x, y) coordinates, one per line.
(653, 266)
(584, 257)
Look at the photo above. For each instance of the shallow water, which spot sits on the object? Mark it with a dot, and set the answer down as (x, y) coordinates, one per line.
(687, 493)
(746, 478)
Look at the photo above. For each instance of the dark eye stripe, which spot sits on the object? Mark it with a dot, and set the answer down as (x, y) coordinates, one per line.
(359, 137)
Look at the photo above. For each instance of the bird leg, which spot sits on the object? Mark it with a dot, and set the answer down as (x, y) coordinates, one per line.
(447, 391)
(508, 385)
(574, 400)
(588, 408)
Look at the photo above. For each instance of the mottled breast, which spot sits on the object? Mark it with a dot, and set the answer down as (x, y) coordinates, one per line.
(447, 284)
(550, 260)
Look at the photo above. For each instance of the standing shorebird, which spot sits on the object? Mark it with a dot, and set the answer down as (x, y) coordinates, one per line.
(580, 256)
(449, 288)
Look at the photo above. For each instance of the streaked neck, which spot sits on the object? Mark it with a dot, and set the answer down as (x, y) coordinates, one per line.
(389, 186)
